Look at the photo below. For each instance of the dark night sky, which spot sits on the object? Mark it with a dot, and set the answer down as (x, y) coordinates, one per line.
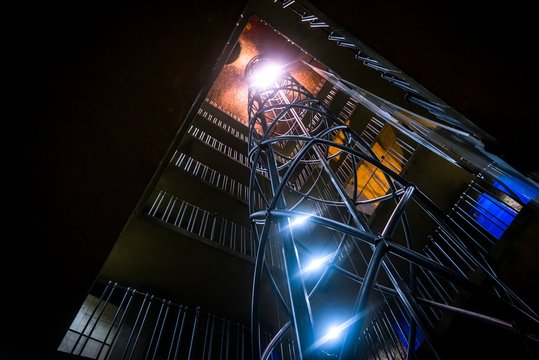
(476, 56)
(97, 91)
(480, 59)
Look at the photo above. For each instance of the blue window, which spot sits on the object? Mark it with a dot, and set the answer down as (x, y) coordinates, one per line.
(525, 191)
(403, 331)
(493, 215)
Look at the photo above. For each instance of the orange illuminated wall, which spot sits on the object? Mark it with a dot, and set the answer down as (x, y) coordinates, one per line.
(229, 90)
(371, 182)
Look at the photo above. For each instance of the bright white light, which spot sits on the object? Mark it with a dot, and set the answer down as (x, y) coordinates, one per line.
(299, 220)
(265, 76)
(333, 332)
(316, 264)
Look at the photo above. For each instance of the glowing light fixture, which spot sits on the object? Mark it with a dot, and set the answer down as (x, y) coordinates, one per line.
(333, 332)
(265, 76)
(299, 220)
(317, 263)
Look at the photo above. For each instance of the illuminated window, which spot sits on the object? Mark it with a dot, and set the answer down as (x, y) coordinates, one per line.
(488, 205)
(492, 214)
(403, 331)
(394, 153)
(339, 139)
(524, 191)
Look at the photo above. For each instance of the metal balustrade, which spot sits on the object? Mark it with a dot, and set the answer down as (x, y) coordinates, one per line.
(213, 177)
(399, 83)
(372, 130)
(218, 106)
(215, 120)
(369, 134)
(330, 96)
(347, 110)
(119, 322)
(181, 214)
(178, 213)
(392, 158)
(218, 145)
(387, 334)
(415, 93)
(315, 122)
(221, 147)
(486, 211)
(344, 115)
(319, 86)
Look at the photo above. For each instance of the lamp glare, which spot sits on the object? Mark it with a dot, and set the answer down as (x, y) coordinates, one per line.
(266, 76)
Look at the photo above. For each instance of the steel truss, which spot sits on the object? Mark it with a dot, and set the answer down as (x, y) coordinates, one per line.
(292, 136)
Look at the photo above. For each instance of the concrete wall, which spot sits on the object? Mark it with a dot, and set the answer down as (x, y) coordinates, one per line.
(103, 89)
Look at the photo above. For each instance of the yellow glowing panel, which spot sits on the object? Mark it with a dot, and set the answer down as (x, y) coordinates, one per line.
(339, 139)
(371, 182)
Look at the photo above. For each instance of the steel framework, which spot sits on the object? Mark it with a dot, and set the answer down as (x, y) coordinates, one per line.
(403, 288)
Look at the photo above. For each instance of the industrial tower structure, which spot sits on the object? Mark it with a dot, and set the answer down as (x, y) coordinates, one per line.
(339, 210)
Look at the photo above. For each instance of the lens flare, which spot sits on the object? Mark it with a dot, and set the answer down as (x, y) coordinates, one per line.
(299, 220)
(265, 76)
(333, 332)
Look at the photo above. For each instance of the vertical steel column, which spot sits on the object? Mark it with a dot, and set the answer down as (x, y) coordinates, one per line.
(299, 301)
(193, 334)
(278, 115)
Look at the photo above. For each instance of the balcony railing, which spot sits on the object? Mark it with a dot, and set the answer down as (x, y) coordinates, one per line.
(486, 211)
(178, 213)
(213, 177)
(221, 147)
(215, 120)
(118, 322)
(218, 145)
(218, 106)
